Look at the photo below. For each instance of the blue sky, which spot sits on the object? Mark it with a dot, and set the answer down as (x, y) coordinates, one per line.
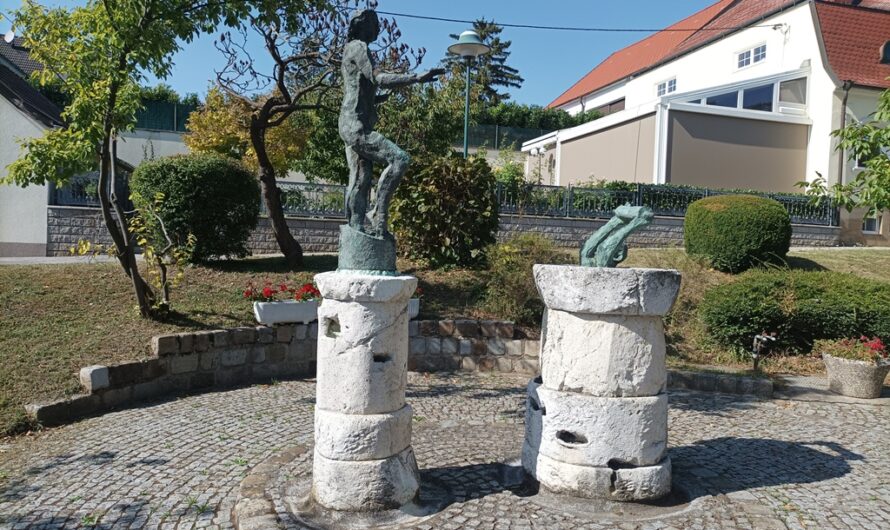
(550, 61)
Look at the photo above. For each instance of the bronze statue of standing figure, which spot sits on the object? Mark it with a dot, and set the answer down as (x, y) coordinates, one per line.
(365, 243)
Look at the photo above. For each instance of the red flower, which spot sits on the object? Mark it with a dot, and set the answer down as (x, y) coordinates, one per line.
(248, 293)
(307, 292)
(268, 292)
(282, 288)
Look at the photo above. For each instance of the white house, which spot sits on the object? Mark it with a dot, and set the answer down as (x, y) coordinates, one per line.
(743, 94)
(26, 113)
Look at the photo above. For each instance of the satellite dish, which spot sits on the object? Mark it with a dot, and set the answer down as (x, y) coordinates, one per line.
(10, 36)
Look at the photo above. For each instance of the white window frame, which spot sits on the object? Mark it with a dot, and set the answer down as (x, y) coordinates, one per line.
(749, 56)
(664, 87)
(878, 219)
(779, 107)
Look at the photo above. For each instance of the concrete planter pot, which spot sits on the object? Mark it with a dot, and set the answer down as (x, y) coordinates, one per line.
(289, 311)
(858, 379)
(413, 308)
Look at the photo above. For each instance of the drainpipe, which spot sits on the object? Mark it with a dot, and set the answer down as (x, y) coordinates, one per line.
(841, 155)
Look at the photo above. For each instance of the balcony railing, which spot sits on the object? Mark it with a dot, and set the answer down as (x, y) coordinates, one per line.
(313, 200)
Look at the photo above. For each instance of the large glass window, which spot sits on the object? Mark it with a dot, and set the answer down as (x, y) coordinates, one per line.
(793, 91)
(730, 99)
(759, 98)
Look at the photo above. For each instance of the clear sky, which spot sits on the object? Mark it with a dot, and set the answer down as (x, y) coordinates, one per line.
(550, 61)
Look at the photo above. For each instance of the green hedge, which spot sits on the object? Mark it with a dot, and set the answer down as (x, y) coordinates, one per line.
(445, 211)
(802, 306)
(212, 197)
(512, 294)
(737, 232)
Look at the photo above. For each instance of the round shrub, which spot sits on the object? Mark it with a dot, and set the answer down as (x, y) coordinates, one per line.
(737, 232)
(801, 306)
(512, 294)
(211, 197)
(445, 212)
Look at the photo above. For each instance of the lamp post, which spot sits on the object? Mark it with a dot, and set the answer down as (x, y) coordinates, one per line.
(469, 46)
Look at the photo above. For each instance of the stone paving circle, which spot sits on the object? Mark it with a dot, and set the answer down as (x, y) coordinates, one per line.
(182, 463)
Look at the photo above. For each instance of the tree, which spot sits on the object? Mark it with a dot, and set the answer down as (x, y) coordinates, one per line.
(99, 55)
(867, 142)
(304, 40)
(222, 126)
(164, 92)
(490, 71)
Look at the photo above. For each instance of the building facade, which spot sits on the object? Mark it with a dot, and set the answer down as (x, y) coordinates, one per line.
(743, 94)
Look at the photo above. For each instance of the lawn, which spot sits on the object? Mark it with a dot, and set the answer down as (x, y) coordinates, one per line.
(54, 319)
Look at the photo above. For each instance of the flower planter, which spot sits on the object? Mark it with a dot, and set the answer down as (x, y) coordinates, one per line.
(413, 308)
(858, 379)
(290, 311)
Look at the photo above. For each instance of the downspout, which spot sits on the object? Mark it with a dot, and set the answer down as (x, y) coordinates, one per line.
(842, 159)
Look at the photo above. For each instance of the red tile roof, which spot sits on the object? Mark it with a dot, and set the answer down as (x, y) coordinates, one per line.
(714, 22)
(640, 55)
(853, 37)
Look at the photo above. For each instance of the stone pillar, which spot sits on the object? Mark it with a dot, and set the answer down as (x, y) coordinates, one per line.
(363, 458)
(596, 418)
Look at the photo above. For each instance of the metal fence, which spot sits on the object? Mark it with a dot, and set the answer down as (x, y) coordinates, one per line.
(499, 137)
(305, 199)
(313, 200)
(83, 190)
(163, 116)
(667, 201)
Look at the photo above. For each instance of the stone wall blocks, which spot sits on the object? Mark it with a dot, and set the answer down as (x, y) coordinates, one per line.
(231, 358)
(201, 381)
(265, 335)
(525, 366)
(312, 330)
(479, 346)
(434, 345)
(486, 364)
(417, 346)
(233, 376)
(202, 341)
(162, 345)
(220, 338)
(183, 363)
(243, 335)
(258, 354)
(450, 346)
(642, 483)
(115, 397)
(429, 328)
(94, 378)
(208, 360)
(466, 328)
(446, 328)
(513, 347)
(301, 331)
(186, 343)
(413, 328)
(465, 347)
(503, 364)
(531, 348)
(505, 330)
(488, 328)
(467, 364)
(284, 332)
(276, 353)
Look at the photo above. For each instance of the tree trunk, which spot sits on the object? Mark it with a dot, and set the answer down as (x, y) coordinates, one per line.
(293, 252)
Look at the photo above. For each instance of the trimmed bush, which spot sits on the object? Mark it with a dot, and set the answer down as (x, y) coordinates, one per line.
(211, 197)
(512, 293)
(445, 212)
(802, 306)
(737, 232)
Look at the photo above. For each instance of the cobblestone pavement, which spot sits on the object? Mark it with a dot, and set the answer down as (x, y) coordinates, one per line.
(178, 464)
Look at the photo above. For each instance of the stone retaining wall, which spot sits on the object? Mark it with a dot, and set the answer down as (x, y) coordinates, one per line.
(204, 360)
(66, 225)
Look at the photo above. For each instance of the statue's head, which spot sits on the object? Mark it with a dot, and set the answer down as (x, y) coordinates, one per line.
(364, 25)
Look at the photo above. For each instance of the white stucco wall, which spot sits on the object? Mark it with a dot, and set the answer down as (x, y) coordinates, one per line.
(791, 47)
(22, 210)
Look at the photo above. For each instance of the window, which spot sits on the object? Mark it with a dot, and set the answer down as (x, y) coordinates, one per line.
(759, 53)
(730, 99)
(759, 98)
(611, 108)
(872, 225)
(793, 91)
(667, 87)
(752, 56)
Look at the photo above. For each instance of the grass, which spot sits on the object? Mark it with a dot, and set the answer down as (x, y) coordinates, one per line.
(55, 319)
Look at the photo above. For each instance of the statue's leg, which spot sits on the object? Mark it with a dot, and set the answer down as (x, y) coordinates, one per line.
(359, 189)
(378, 148)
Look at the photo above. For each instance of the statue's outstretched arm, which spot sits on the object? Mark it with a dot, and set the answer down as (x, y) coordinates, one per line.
(401, 80)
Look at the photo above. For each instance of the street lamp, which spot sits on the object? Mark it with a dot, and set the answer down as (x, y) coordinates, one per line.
(469, 46)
